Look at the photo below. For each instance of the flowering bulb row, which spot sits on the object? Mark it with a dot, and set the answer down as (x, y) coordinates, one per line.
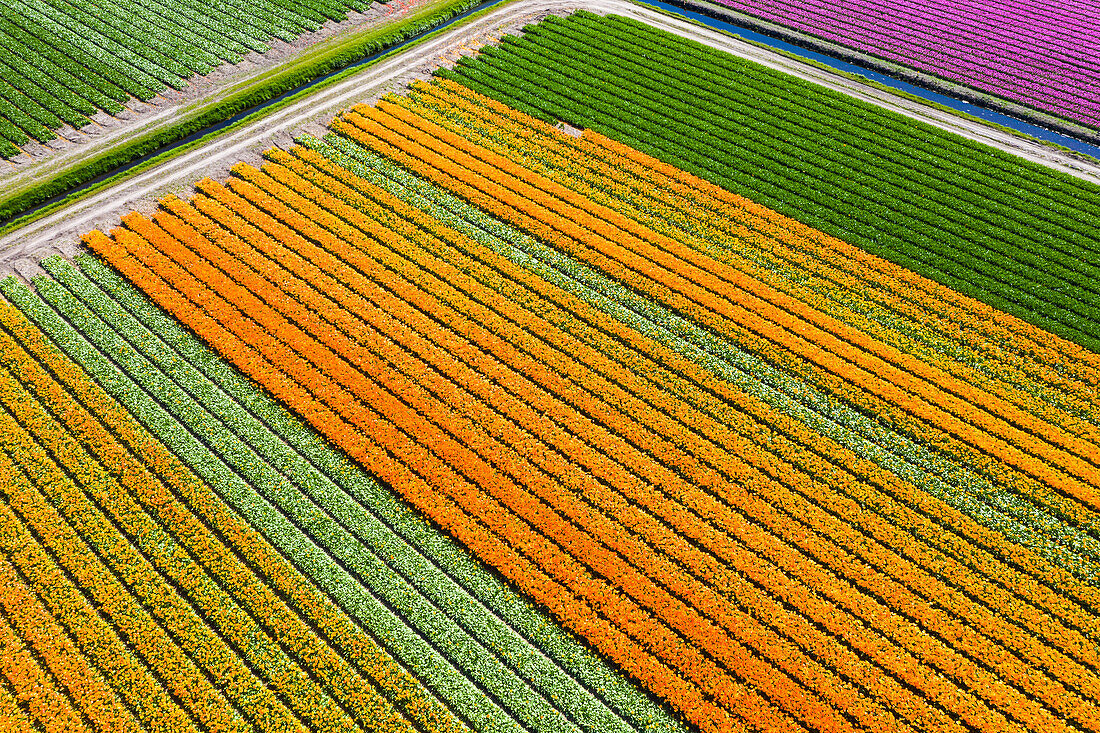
(392, 125)
(238, 638)
(1039, 413)
(118, 354)
(850, 361)
(628, 311)
(965, 219)
(730, 569)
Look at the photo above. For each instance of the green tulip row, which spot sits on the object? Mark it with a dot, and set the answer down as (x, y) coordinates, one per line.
(955, 484)
(461, 648)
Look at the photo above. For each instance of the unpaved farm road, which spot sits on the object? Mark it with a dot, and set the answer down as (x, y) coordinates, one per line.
(61, 230)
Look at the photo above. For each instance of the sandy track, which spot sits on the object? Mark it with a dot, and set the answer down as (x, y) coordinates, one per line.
(60, 231)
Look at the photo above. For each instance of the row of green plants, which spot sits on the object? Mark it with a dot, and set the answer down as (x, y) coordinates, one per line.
(851, 196)
(920, 215)
(948, 480)
(18, 203)
(832, 113)
(388, 571)
(65, 60)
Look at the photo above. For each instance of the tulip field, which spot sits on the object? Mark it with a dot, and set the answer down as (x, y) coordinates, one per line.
(1044, 54)
(66, 60)
(450, 420)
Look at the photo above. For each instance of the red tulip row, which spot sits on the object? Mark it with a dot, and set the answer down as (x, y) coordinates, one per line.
(569, 153)
(414, 467)
(512, 202)
(893, 382)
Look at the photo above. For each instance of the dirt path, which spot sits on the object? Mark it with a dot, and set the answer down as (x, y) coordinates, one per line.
(60, 231)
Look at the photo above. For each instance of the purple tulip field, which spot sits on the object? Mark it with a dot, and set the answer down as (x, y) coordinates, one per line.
(1042, 53)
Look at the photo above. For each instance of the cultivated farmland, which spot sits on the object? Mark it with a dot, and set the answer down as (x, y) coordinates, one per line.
(554, 394)
(1043, 54)
(1013, 235)
(64, 61)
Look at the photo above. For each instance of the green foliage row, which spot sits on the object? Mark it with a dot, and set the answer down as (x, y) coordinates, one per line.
(95, 167)
(1010, 233)
(64, 59)
(482, 651)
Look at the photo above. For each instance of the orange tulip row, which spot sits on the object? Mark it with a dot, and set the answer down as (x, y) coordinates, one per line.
(415, 469)
(607, 177)
(33, 686)
(513, 202)
(950, 521)
(885, 530)
(1020, 334)
(898, 381)
(447, 412)
(602, 173)
(329, 185)
(783, 346)
(574, 150)
(1020, 483)
(488, 139)
(746, 565)
(191, 623)
(336, 351)
(722, 461)
(36, 627)
(334, 288)
(1031, 343)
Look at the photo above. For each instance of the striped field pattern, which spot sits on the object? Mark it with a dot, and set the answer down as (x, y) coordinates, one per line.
(453, 421)
(645, 402)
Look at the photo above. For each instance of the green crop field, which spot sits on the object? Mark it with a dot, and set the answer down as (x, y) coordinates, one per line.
(64, 60)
